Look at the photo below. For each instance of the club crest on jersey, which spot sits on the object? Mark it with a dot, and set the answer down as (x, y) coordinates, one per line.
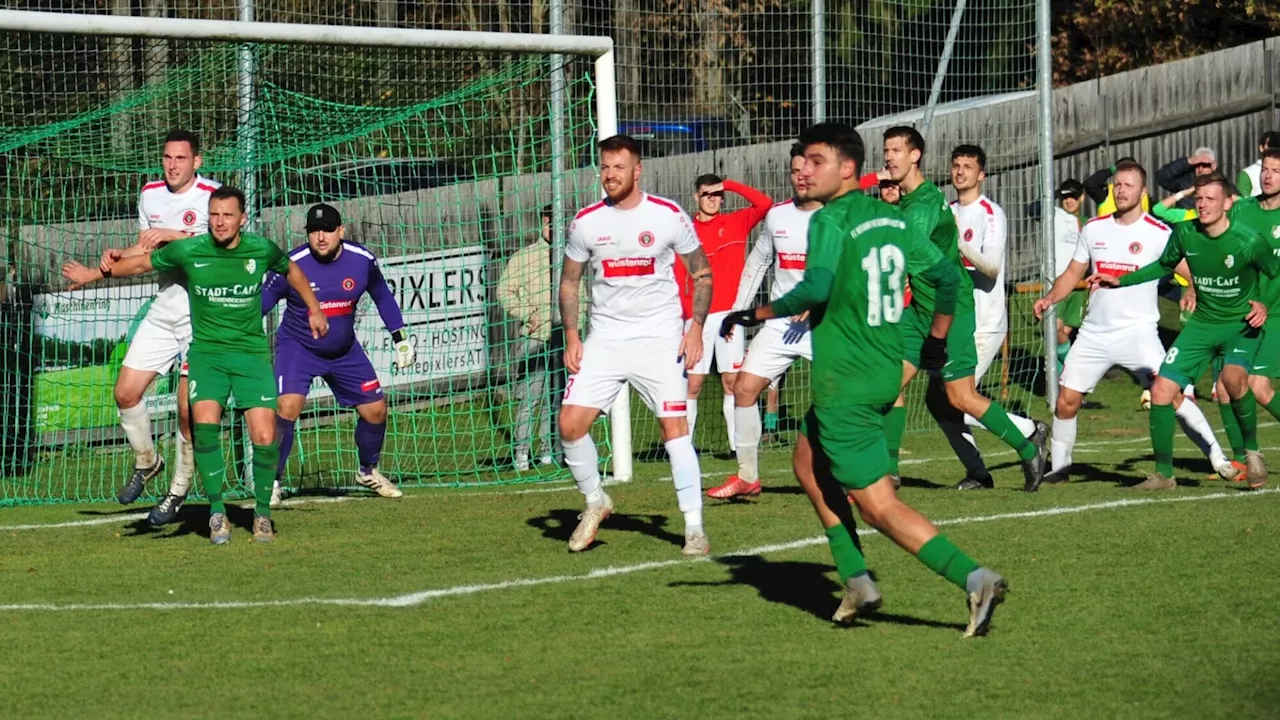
(1135, 248)
(646, 239)
(1229, 261)
(348, 284)
(250, 265)
(189, 217)
(968, 234)
(1275, 232)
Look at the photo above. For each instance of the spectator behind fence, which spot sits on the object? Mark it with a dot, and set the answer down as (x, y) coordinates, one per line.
(524, 291)
(1248, 180)
(1101, 189)
(1181, 174)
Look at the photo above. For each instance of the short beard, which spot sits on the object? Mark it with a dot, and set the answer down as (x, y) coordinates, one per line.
(223, 243)
(328, 257)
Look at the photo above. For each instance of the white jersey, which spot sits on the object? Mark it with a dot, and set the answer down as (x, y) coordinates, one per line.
(1254, 172)
(1066, 233)
(784, 244)
(632, 255)
(186, 211)
(1115, 249)
(983, 228)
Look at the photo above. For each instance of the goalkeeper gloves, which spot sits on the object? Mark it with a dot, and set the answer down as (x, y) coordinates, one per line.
(745, 318)
(405, 353)
(933, 353)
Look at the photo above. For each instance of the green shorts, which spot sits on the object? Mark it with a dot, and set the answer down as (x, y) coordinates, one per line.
(1071, 310)
(848, 443)
(962, 353)
(1266, 362)
(250, 379)
(1201, 343)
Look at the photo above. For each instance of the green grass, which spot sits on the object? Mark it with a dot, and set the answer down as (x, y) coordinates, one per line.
(1148, 610)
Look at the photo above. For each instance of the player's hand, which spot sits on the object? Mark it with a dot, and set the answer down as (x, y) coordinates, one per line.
(1257, 315)
(933, 353)
(801, 318)
(319, 324)
(717, 188)
(1188, 301)
(109, 258)
(1102, 280)
(153, 238)
(1041, 307)
(78, 274)
(572, 354)
(405, 354)
(1200, 160)
(745, 318)
(691, 346)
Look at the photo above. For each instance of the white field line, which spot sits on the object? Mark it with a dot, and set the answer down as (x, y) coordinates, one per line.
(114, 519)
(422, 596)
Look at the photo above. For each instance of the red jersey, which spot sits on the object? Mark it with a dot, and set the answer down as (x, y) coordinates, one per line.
(724, 240)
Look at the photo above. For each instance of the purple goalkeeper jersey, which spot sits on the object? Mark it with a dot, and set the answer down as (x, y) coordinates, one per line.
(338, 286)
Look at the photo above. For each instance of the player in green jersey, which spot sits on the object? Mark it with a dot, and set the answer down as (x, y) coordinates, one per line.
(229, 353)
(1261, 213)
(1225, 259)
(956, 395)
(860, 251)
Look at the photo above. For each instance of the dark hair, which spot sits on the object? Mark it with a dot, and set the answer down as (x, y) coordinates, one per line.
(1213, 179)
(185, 136)
(797, 150)
(548, 212)
(973, 151)
(839, 137)
(707, 179)
(1270, 139)
(226, 191)
(915, 141)
(1131, 165)
(1070, 189)
(1271, 153)
(618, 143)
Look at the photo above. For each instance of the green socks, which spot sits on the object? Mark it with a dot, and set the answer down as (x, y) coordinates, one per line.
(770, 422)
(849, 560)
(895, 423)
(997, 421)
(1273, 407)
(1232, 427)
(265, 458)
(206, 441)
(1246, 412)
(944, 558)
(1162, 424)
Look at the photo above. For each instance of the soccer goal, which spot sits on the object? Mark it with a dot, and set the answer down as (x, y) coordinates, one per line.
(441, 150)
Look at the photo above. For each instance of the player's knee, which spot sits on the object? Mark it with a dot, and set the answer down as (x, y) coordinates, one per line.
(728, 381)
(127, 397)
(1234, 380)
(1164, 391)
(375, 413)
(875, 510)
(963, 398)
(1261, 388)
(571, 428)
(1068, 405)
(264, 434)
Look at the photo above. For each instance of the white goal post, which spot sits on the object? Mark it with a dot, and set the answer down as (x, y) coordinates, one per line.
(598, 48)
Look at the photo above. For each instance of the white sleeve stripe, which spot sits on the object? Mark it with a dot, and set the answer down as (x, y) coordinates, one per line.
(358, 250)
(301, 253)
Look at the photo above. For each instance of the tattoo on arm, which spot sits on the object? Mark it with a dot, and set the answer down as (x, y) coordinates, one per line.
(570, 284)
(700, 269)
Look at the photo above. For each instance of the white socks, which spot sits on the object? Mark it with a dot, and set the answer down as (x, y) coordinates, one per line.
(184, 462)
(1064, 439)
(691, 411)
(688, 481)
(746, 430)
(584, 463)
(136, 422)
(1197, 428)
(1026, 426)
(727, 407)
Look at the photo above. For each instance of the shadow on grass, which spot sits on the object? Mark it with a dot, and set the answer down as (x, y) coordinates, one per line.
(558, 525)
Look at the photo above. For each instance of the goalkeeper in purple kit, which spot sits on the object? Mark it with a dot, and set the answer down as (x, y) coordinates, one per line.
(340, 272)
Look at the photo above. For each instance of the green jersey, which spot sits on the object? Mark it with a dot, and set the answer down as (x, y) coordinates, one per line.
(929, 213)
(860, 252)
(1225, 269)
(225, 289)
(1250, 213)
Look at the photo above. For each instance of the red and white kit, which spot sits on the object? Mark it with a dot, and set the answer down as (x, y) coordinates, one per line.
(983, 227)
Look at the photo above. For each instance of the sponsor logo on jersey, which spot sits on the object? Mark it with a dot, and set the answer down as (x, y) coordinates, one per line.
(675, 406)
(646, 239)
(1115, 269)
(604, 240)
(968, 234)
(230, 291)
(791, 260)
(332, 308)
(1135, 248)
(250, 265)
(1229, 261)
(370, 385)
(189, 217)
(628, 267)
(348, 284)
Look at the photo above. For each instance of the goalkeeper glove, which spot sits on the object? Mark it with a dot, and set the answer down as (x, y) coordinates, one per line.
(405, 353)
(933, 353)
(745, 318)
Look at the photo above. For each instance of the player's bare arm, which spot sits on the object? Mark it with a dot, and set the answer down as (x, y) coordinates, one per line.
(315, 315)
(152, 238)
(1062, 287)
(700, 270)
(79, 275)
(570, 287)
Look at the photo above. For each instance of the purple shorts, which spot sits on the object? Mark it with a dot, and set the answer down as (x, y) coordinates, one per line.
(350, 376)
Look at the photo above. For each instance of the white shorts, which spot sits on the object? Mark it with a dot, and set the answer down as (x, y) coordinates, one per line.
(770, 354)
(988, 345)
(728, 353)
(652, 366)
(1136, 349)
(164, 335)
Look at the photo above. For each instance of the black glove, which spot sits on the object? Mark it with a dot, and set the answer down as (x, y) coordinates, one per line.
(745, 318)
(933, 353)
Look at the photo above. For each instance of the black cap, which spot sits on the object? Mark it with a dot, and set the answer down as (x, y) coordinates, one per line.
(1069, 189)
(323, 217)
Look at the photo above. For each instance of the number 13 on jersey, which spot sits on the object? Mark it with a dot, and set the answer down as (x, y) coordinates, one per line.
(884, 267)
